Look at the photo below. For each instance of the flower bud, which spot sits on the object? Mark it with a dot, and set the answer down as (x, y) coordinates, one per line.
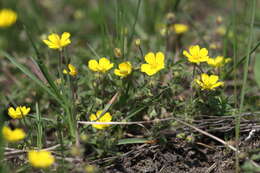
(137, 42)
(117, 52)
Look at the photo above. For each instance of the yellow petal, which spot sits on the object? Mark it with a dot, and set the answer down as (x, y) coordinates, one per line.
(65, 71)
(194, 50)
(217, 85)
(160, 60)
(204, 78)
(146, 68)
(104, 62)
(93, 65)
(185, 53)
(65, 36)
(118, 73)
(150, 58)
(213, 79)
(92, 117)
(54, 38)
(65, 39)
(106, 117)
(51, 44)
(203, 52)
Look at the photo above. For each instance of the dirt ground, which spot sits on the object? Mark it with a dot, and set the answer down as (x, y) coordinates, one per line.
(180, 157)
(204, 155)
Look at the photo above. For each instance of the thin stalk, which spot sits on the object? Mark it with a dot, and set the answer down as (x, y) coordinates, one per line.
(234, 43)
(39, 126)
(60, 136)
(253, 4)
(135, 21)
(141, 51)
(1, 146)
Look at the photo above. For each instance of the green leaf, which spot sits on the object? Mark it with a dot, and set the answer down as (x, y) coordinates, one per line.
(257, 69)
(133, 141)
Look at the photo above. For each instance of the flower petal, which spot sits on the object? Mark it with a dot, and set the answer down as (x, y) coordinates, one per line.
(118, 72)
(204, 78)
(213, 79)
(217, 85)
(54, 38)
(150, 58)
(194, 50)
(185, 53)
(160, 59)
(146, 68)
(92, 117)
(203, 52)
(93, 65)
(65, 39)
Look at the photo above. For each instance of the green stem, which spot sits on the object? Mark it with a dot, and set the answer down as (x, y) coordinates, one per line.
(234, 42)
(242, 97)
(60, 136)
(70, 121)
(1, 145)
(39, 127)
(133, 27)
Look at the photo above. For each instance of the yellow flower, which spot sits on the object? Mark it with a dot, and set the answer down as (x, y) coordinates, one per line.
(196, 54)
(57, 42)
(102, 65)
(219, 61)
(105, 118)
(13, 135)
(19, 112)
(124, 69)
(72, 70)
(180, 28)
(41, 158)
(7, 17)
(207, 82)
(154, 64)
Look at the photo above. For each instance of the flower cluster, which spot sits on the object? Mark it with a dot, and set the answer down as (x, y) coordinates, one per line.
(15, 134)
(38, 159)
(19, 112)
(198, 55)
(154, 63)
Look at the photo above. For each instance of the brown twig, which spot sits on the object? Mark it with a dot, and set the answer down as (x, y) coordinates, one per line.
(14, 151)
